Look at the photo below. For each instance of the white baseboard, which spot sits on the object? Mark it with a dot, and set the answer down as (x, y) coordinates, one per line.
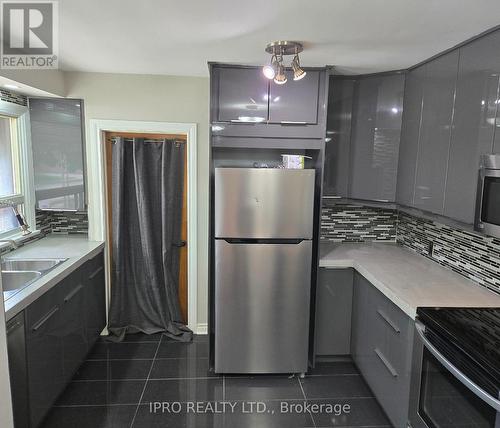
(201, 328)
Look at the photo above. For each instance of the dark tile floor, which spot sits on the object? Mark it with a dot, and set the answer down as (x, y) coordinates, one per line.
(119, 384)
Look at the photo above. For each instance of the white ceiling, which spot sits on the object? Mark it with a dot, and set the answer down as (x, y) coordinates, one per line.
(178, 37)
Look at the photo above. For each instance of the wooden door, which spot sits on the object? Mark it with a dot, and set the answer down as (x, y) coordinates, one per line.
(109, 136)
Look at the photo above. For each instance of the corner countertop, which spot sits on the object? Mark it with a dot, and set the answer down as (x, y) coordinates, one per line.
(408, 279)
(77, 249)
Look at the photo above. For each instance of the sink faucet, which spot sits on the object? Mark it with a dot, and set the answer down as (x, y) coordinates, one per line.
(20, 219)
(13, 243)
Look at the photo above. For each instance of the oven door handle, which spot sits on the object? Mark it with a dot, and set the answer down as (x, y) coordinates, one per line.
(475, 389)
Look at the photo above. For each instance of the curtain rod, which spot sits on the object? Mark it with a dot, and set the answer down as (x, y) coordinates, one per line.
(159, 140)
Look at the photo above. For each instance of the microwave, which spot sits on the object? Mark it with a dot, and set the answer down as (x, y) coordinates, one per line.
(487, 219)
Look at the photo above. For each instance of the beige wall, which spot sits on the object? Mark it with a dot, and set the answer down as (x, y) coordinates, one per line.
(51, 81)
(156, 98)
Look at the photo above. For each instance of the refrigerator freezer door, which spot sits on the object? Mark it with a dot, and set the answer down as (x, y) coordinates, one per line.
(262, 307)
(264, 203)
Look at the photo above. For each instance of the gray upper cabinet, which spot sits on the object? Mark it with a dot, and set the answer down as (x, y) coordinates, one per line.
(410, 132)
(58, 153)
(473, 123)
(435, 132)
(243, 95)
(244, 103)
(376, 131)
(496, 145)
(338, 142)
(295, 101)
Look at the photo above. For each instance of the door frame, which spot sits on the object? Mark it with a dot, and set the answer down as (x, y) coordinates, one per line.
(96, 193)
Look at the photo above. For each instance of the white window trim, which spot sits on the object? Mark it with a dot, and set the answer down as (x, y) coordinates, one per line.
(26, 172)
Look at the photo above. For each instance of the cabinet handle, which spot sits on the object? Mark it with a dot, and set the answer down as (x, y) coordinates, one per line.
(292, 122)
(332, 197)
(48, 316)
(96, 272)
(380, 200)
(73, 293)
(388, 321)
(13, 326)
(386, 363)
(245, 122)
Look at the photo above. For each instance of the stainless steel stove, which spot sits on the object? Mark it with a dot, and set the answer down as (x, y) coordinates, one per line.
(456, 369)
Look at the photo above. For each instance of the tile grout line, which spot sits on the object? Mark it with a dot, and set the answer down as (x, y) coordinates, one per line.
(305, 400)
(149, 378)
(146, 383)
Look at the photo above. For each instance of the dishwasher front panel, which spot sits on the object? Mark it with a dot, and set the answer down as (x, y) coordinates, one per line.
(262, 299)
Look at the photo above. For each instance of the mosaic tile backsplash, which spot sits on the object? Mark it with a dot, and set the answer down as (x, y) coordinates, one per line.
(12, 97)
(354, 223)
(62, 222)
(474, 256)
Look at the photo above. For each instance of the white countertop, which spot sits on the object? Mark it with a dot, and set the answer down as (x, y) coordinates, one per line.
(407, 278)
(77, 249)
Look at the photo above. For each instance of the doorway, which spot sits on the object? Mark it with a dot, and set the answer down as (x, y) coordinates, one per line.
(110, 139)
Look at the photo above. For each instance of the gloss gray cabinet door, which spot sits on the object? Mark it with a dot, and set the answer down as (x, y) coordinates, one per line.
(338, 141)
(496, 145)
(376, 131)
(333, 311)
(16, 347)
(95, 298)
(435, 132)
(73, 314)
(473, 123)
(242, 95)
(44, 349)
(58, 153)
(410, 134)
(295, 101)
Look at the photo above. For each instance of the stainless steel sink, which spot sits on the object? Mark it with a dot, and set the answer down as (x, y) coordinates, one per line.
(15, 280)
(19, 273)
(39, 265)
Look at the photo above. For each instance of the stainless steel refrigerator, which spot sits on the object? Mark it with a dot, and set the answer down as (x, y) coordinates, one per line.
(263, 251)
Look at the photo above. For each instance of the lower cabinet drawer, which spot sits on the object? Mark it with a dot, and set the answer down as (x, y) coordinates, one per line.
(382, 348)
(44, 350)
(95, 299)
(73, 334)
(392, 388)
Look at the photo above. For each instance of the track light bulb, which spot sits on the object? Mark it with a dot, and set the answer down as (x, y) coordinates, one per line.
(298, 72)
(268, 71)
(280, 78)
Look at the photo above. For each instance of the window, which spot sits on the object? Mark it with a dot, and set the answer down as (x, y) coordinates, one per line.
(16, 182)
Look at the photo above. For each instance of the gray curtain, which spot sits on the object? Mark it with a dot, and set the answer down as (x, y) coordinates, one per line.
(147, 214)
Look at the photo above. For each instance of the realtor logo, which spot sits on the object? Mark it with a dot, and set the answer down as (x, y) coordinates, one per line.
(29, 35)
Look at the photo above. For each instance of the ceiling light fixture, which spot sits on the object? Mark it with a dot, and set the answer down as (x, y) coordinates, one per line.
(275, 69)
(10, 86)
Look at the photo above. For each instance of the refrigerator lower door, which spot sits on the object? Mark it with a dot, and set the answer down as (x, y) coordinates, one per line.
(262, 295)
